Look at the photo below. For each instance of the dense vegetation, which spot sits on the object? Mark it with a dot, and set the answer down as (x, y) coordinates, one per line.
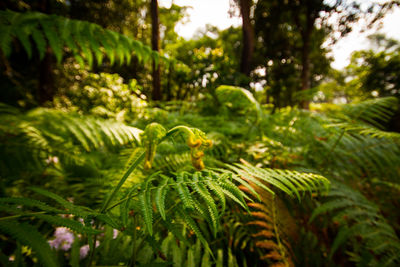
(117, 153)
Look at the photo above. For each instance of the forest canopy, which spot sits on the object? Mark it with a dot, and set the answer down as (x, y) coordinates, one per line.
(124, 144)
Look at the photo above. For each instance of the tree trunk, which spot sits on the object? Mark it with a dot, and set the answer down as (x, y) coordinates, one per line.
(305, 56)
(46, 90)
(155, 40)
(305, 70)
(248, 37)
(168, 87)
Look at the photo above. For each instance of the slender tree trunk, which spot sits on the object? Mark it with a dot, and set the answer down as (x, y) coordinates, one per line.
(168, 87)
(305, 56)
(155, 40)
(248, 37)
(305, 70)
(46, 90)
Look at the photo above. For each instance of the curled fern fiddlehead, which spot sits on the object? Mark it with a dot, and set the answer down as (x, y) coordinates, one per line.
(152, 135)
(198, 142)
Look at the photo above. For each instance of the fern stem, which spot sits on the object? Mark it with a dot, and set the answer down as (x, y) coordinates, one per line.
(120, 202)
(134, 248)
(122, 181)
(110, 198)
(278, 239)
(21, 215)
(138, 160)
(152, 188)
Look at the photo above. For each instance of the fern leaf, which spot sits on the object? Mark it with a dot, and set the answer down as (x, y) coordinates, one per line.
(208, 199)
(93, 30)
(5, 39)
(28, 202)
(75, 253)
(107, 220)
(40, 42)
(83, 38)
(71, 224)
(146, 207)
(249, 177)
(290, 182)
(28, 235)
(73, 209)
(231, 190)
(193, 225)
(160, 197)
(360, 218)
(175, 229)
(22, 34)
(218, 191)
(183, 192)
(52, 36)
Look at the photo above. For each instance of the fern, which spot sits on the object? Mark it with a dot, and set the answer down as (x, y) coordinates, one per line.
(162, 192)
(360, 219)
(183, 192)
(147, 209)
(71, 224)
(193, 225)
(203, 192)
(263, 232)
(375, 112)
(83, 38)
(43, 133)
(290, 182)
(73, 209)
(28, 235)
(27, 202)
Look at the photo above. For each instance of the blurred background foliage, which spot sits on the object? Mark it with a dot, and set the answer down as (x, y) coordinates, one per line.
(77, 90)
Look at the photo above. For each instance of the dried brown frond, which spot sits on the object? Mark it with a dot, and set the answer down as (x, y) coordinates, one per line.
(264, 233)
(261, 224)
(267, 244)
(258, 206)
(273, 255)
(261, 215)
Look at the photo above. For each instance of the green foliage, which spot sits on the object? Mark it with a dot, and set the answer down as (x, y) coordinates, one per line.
(237, 100)
(28, 235)
(225, 195)
(44, 134)
(291, 182)
(151, 136)
(198, 207)
(86, 41)
(360, 220)
(104, 95)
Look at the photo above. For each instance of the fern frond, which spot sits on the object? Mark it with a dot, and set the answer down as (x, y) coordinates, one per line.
(183, 192)
(32, 203)
(161, 194)
(290, 182)
(71, 224)
(50, 31)
(373, 111)
(83, 38)
(206, 215)
(208, 199)
(193, 225)
(233, 191)
(175, 229)
(218, 191)
(146, 206)
(73, 209)
(42, 134)
(28, 235)
(359, 219)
